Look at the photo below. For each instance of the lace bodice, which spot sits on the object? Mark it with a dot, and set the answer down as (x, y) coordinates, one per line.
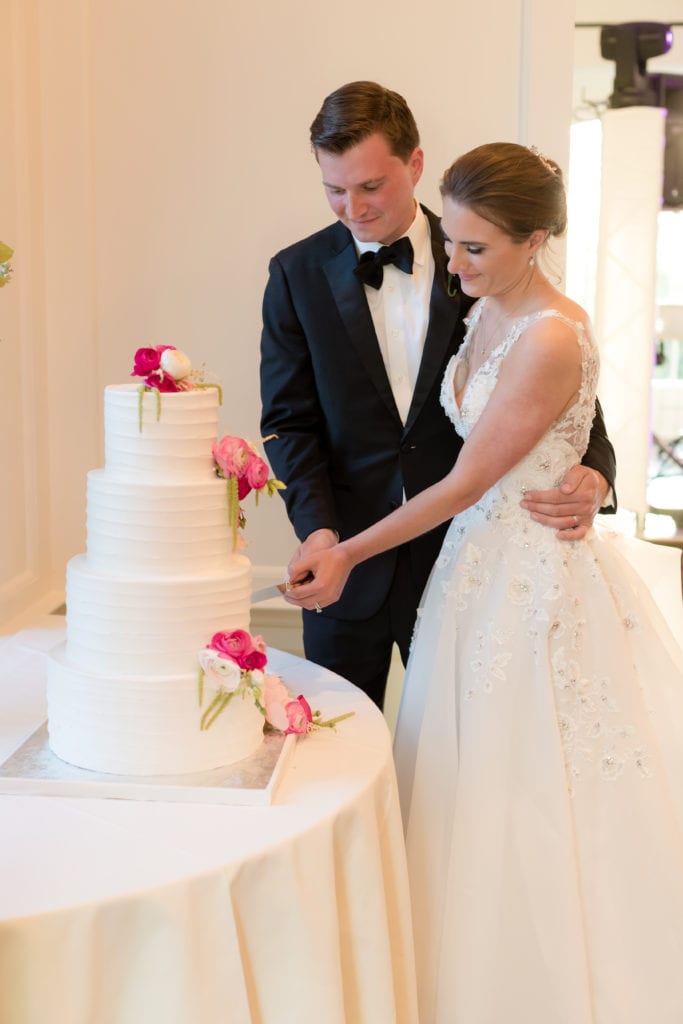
(565, 443)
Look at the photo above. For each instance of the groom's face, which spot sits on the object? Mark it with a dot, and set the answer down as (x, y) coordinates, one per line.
(370, 189)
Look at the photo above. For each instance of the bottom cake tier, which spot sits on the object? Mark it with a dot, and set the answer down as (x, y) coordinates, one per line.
(142, 725)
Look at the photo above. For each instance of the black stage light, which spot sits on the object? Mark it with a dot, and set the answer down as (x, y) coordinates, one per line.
(630, 45)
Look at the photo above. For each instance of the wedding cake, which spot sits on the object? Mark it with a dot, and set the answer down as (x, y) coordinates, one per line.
(159, 578)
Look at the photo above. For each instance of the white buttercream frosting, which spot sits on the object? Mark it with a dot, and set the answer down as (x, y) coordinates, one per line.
(139, 623)
(163, 529)
(142, 724)
(158, 580)
(175, 446)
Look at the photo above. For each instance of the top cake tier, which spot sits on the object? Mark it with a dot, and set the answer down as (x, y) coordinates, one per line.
(173, 445)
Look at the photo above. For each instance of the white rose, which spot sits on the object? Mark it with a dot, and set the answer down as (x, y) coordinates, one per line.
(175, 363)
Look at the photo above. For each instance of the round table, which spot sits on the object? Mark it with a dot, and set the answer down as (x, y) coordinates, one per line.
(122, 911)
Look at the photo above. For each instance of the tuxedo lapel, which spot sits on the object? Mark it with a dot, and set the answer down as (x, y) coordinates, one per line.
(444, 312)
(352, 305)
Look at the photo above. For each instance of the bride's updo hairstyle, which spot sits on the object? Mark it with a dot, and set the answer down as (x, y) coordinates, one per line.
(516, 188)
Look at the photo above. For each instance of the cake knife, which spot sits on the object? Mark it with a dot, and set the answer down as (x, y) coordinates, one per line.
(266, 593)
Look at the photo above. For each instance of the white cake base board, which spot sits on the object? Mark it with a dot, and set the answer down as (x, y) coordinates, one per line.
(34, 770)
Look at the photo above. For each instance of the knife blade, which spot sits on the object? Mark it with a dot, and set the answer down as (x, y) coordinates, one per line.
(277, 590)
(266, 593)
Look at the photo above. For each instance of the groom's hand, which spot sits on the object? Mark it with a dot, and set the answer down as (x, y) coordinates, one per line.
(571, 507)
(319, 540)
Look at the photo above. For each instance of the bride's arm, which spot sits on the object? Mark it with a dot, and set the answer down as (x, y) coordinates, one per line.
(538, 380)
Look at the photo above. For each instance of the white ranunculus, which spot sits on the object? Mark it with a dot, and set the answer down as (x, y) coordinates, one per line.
(175, 363)
(222, 671)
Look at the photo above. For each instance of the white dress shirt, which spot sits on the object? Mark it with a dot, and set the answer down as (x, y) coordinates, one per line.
(400, 312)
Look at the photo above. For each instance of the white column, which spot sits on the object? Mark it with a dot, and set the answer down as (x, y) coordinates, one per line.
(632, 167)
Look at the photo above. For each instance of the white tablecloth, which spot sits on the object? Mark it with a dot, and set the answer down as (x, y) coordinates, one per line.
(133, 912)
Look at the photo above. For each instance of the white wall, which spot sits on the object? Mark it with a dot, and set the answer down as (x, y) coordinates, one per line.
(155, 155)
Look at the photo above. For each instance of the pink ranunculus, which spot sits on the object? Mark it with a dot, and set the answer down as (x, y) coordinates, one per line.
(232, 455)
(145, 361)
(232, 644)
(276, 696)
(161, 381)
(243, 488)
(257, 472)
(299, 715)
(252, 659)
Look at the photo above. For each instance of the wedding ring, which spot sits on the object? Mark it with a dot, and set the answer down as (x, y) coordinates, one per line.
(318, 609)
(576, 521)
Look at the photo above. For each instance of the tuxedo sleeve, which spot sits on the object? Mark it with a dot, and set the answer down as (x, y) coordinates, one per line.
(600, 456)
(291, 410)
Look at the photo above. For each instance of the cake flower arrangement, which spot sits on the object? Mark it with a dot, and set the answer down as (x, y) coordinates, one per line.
(232, 665)
(6, 255)
(238, 462)
(165, 369)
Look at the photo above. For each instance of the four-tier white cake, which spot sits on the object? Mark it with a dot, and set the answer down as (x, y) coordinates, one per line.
(159, 578)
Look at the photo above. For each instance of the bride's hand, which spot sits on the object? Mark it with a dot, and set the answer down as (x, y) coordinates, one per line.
(330, 570)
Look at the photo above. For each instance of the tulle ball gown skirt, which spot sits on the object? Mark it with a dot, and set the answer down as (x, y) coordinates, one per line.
(540, 758)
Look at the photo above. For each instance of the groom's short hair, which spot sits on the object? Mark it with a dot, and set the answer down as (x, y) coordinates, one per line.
(359, 109)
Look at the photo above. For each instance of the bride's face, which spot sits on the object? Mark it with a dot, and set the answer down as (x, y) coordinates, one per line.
(486, 259)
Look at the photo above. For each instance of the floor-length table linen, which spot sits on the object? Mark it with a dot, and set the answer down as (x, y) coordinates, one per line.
(126, 911)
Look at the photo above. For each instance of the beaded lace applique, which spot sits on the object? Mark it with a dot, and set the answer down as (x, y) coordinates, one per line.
(538, 617)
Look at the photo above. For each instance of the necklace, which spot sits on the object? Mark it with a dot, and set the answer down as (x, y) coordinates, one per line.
(483, 344)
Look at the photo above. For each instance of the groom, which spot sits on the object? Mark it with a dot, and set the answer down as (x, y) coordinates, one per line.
(353, 351)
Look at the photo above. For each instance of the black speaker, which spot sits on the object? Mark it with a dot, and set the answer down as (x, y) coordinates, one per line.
(630, 46)
(668, 92)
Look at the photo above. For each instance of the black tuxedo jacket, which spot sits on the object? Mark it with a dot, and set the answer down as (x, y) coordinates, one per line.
(341, 447)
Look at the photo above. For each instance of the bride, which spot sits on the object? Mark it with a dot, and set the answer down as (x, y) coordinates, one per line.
(539, 746)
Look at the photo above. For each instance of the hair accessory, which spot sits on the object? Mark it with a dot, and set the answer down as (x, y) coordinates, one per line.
(544, 159)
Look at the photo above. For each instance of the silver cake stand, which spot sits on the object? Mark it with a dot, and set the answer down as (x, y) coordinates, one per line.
(34, 769)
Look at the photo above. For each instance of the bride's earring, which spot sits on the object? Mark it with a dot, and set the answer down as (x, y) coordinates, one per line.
(532, 261)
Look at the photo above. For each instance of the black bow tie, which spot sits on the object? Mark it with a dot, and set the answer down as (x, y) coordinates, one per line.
(370, 267)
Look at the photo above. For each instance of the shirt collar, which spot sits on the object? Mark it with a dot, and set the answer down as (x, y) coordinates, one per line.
(418, 233)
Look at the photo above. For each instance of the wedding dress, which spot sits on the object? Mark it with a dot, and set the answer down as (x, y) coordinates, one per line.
(539, 750)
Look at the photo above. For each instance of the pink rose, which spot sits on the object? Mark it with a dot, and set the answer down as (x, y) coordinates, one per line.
(276, 696)
(259, 643)
(161, 381)
(145, 361)
(233, 644)
(232, 455)
(243, 488)
(299, 715)
(257, 472)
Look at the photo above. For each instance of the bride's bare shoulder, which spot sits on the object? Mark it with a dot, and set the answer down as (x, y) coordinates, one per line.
(572, 310)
